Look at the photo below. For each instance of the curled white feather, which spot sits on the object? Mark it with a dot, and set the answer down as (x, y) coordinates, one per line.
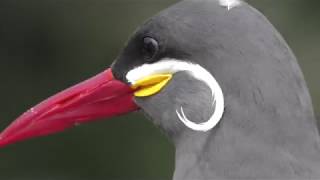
(196, 71)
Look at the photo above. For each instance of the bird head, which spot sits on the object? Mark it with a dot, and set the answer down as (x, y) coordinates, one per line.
(161, 71)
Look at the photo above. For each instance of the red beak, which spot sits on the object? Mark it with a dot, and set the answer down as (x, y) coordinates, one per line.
(99, 97)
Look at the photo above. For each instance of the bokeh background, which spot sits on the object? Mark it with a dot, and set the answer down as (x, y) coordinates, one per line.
(48, 45)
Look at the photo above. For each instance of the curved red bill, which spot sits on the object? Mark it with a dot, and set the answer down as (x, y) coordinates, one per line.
(99, 97)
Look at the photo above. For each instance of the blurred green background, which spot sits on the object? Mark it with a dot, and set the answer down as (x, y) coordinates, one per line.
(48, 45)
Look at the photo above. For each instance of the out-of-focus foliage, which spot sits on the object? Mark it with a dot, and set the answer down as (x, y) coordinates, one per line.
(48, 45)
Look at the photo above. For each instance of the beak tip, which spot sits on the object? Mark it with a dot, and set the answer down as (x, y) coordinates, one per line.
(6, 139)
(3, 142)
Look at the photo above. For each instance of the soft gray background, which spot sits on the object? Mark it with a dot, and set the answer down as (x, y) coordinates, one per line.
(48, 45)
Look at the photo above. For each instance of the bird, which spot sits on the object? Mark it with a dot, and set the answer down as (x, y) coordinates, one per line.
(217, 78)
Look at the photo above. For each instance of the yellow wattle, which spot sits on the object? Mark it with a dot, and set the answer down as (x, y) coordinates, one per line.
(151, 85)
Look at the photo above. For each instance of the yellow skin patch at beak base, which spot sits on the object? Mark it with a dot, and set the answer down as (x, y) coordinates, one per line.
(151, 85)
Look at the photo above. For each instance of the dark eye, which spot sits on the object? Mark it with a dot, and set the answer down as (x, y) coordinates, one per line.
(150, 48)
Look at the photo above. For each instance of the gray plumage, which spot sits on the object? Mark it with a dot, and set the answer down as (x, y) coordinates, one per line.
(268, 130)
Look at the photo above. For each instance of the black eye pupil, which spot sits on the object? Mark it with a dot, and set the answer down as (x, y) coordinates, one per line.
(150, 48)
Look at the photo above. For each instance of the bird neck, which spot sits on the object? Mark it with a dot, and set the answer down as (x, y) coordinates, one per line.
(230, 151)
